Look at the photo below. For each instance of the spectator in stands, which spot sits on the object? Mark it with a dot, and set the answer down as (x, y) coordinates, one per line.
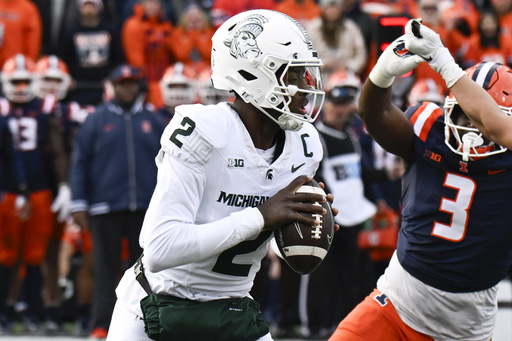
(489, 44)
(20, 29)
(91, 48)
(224, 9)
(504, 10)
(429, 11)
(192, 38)
(113, 174)
(36, 132)
(352, 10)
(338, 40)
(300, 10)
(126, 9)
(57, 15)
(148, 44)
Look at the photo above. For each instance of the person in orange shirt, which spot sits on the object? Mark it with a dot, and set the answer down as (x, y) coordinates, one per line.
(20, 29)
(193, 38)
(148, 44)
(490, 44)
(504, 10)
(300, 10)
(224, 9)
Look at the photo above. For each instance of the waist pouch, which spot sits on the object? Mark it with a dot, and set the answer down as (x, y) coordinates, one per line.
(170, 318)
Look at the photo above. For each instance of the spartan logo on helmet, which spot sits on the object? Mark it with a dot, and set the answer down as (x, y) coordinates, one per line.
(242, 40)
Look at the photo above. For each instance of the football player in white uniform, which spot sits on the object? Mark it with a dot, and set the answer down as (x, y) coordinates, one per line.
(227, 176)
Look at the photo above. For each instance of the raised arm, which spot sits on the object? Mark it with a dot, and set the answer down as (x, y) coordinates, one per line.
(483, 111)
(476, 102)
(386, 122)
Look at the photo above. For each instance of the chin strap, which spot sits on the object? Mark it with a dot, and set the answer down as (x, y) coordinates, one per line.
(288, 122)
(471, 141)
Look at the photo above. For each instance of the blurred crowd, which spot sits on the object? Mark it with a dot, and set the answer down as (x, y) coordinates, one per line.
(89, 85)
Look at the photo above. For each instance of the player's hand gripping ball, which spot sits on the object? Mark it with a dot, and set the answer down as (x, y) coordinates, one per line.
(304, 247)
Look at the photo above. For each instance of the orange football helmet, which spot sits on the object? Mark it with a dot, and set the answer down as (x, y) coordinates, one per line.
(496, 79)
(52, 77)
(345, 78)
(18, 79)
(178, 85)
(426, 90)
(207, 93)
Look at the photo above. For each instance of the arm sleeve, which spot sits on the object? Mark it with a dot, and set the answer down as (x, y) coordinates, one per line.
(169, 228)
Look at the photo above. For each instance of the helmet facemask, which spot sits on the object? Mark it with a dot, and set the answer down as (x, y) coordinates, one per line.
(463, 140)
(496, 79)
(18, 79)
(52, 77)
(306, 80)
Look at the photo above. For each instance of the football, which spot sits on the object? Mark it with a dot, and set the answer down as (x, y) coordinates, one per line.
(304, 247)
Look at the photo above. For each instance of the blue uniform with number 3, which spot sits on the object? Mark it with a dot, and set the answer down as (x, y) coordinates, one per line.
(456, 233)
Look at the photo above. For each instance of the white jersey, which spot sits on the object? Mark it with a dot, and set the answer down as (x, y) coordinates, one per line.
(202, 235)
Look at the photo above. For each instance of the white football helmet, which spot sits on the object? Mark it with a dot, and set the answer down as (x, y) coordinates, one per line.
(178, 85)
(497, 80)
(18, 79)
(252, 53)
(52, 77)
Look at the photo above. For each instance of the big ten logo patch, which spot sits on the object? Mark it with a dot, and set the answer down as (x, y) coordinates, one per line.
(233, 162)
(432, 156)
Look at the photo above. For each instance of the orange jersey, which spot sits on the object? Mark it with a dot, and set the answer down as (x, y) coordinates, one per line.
(20, 29)
(506, 23)
(186, 43)
(301, 12)
(476, 53)
(148, 44)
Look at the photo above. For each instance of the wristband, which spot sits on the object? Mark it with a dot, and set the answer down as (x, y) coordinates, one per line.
(451, 73)
(445, 65)
(379, 79)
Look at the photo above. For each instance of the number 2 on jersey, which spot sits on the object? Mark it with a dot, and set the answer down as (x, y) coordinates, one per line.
(458, 208)
(185, 132)
(225, 264)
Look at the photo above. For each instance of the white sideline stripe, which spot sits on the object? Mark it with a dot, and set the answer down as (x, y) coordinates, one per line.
(304, 250)
(310, 189)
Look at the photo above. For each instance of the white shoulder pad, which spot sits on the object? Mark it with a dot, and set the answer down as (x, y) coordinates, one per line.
(194, 131)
